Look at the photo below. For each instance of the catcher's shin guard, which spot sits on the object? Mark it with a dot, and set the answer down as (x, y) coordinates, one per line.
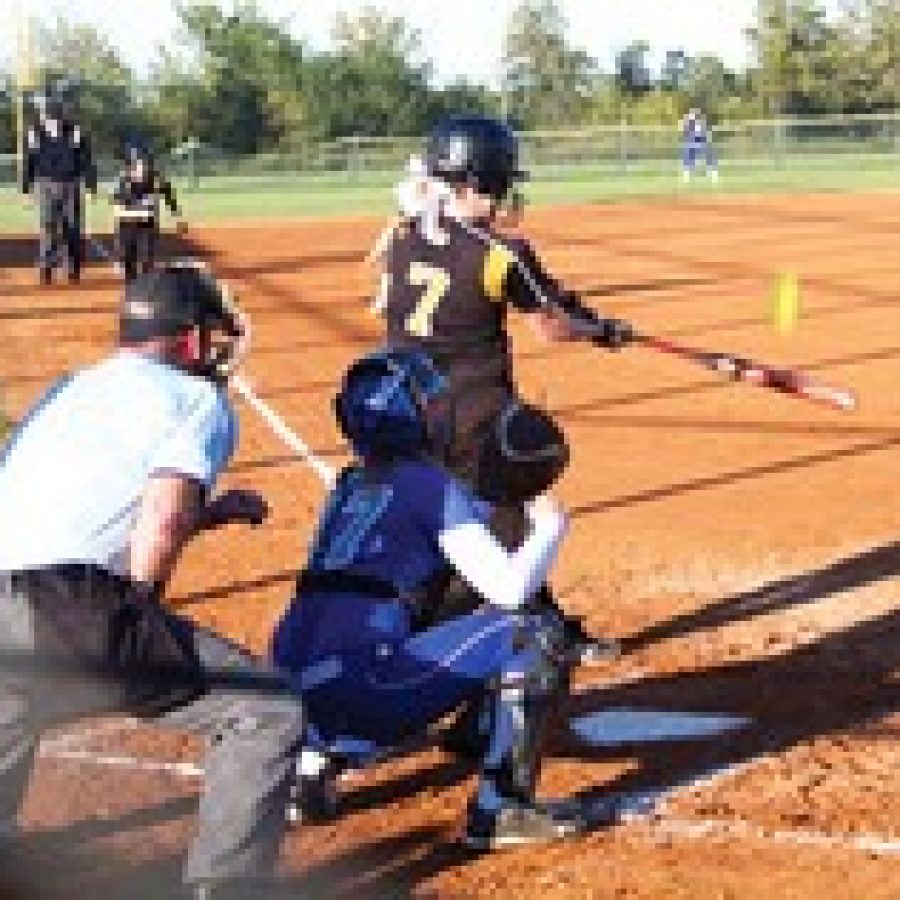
(520, 710)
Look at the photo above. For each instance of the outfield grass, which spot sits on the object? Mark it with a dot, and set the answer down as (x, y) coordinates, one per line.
(304, 196)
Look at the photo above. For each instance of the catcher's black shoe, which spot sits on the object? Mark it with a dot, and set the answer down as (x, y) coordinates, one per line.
(314, 798)
(520, 825)
(466, 736)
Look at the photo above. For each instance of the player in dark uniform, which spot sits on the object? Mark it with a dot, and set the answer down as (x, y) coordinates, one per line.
(57, 159)
(136, 210)
(448, 292)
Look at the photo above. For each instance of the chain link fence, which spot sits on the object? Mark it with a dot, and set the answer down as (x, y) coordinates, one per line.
(609, 149)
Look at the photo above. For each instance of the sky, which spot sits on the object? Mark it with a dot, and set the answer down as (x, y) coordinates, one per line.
(462, 37)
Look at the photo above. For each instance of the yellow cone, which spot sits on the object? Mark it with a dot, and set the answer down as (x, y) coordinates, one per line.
(786, 303)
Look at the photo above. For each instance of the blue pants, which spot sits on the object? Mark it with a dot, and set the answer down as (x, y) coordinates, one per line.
(368, 683)
(696, 151)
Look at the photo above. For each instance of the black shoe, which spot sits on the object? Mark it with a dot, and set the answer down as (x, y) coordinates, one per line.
(314, 798)
(74, 276)
(520, 825)
(584, 649)
(465, 736)
(46, 276)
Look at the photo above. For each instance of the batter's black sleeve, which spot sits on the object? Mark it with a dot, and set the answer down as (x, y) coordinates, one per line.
(529, 286)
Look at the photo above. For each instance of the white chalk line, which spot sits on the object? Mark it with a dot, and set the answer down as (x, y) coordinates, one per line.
(698, 829)
(326, 472)
(79, 737)
(135, 763)
(652, 815)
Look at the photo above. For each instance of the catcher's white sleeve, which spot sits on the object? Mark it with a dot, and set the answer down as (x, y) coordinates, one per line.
(506, 579)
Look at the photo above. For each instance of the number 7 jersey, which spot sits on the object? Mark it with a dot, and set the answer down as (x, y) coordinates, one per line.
(450, 298)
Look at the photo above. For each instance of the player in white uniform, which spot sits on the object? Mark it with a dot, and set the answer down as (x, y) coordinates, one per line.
(101, 485)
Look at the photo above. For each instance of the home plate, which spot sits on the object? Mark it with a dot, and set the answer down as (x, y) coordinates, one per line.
(624, 726)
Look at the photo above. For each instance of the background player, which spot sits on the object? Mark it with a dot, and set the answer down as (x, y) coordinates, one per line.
(136, 210)
(448, 292)
(96, 504)
(57, 159)
(697, 146)
(370, 672)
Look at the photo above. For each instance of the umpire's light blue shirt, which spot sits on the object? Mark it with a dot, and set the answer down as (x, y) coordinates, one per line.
(73, 473)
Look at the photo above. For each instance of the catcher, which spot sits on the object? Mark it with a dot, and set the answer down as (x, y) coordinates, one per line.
(359, 638)
(447, 292)
(136, 202)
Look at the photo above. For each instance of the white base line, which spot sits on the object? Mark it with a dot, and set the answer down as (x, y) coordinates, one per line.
(879, 845)
(291, 439)
(179, 769)
(702, 828)
(81, 736)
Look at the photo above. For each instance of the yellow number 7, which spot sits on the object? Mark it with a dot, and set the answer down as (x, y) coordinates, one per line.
(436, 282)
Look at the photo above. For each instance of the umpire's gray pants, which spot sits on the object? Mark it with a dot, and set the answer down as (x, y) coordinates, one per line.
(71, 646)
(59, 210)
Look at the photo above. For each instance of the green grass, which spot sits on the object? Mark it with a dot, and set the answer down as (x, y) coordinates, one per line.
(303, 196)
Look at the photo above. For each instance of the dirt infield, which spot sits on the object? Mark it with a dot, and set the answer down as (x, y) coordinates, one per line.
(745, 546)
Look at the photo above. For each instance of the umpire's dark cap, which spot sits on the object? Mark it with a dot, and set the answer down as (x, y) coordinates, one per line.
(170, 301)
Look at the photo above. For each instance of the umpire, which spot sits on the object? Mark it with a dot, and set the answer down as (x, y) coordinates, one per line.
(101, 486)
(57, 159)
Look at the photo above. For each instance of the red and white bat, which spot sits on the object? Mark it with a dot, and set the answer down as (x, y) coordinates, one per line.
(787, 381)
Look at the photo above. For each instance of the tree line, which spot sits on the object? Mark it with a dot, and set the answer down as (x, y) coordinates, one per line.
(239, 82)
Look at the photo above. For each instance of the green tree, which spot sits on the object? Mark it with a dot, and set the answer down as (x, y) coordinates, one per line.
(547, 83)
(798, 55)
(633, 75)
(376, 81)
(239, 90)
(708, 84)
(870, 48)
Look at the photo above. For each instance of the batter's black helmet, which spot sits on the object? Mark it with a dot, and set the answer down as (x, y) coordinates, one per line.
(476, 150)
(523, 452)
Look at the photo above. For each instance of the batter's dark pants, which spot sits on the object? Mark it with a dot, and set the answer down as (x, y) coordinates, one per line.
(136, 246)
(59, 208)
(75, 642)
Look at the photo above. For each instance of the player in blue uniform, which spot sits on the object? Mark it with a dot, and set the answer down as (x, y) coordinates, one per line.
(697, 146)
(372, 673)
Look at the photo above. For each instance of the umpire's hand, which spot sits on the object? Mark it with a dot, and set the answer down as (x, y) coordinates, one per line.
(237, 506)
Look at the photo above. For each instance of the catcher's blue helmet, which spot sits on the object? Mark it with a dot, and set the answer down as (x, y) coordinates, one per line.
(382, 405)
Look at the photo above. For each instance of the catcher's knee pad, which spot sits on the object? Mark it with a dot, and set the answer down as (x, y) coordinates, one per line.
(522, 453)
(538, 670)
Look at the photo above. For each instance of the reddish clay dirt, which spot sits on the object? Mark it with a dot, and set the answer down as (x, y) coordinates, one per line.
(743, 544)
